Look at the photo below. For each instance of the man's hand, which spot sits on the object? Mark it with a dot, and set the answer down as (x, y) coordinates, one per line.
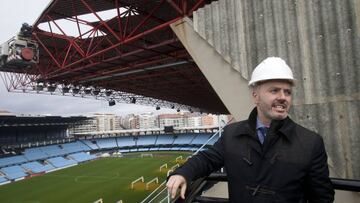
(174, 182)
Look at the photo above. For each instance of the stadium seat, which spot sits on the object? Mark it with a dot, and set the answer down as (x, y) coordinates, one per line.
(81, 157)
(8, 161)
(60, 162)
(13, 172)
(36, 167)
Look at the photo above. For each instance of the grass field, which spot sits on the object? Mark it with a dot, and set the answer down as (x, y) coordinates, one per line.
(107, 178)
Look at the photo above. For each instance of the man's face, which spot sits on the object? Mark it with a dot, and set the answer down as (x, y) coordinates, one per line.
(273, 100)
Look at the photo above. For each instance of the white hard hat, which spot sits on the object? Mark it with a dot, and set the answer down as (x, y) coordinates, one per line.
(271, 68)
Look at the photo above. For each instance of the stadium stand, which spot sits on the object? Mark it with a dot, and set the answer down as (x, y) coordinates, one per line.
(8, 161)
(175, 148)
(146, 140)
(124, 150)
(64, 155)
(213, 140)
(36, 167)
(200, 139)
(75, 147)
(164, 149)
(188, 149)
(143, 149)
(13, 172)
(164, 140)
(3, 180)
(33, 154)
(126, 141)
(184, 139)
(81, 157)
(106, 143)
(60, 162)
(53, 150)
(90, 143)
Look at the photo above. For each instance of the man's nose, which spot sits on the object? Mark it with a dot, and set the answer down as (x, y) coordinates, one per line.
(282, 95)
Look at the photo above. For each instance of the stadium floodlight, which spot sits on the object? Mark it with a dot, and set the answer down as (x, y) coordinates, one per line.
(96, 92)
(75, 90)
(39, 86)
(112, 102)
(51, 88)
(65, 89)
(87, 90)
(108, 93)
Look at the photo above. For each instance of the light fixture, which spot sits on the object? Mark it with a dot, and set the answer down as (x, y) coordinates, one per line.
(112, 102)
(87, 90)
(108, 93)
(39, 86)
(65, 89)
(51, 88)
(96, 92)
(75, 90)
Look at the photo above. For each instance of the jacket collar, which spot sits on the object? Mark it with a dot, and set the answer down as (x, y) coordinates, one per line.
(285, 127)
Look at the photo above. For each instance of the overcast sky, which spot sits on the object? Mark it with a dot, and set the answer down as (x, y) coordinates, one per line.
(13, 14)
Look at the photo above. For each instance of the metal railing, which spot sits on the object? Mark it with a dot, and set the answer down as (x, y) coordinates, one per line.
(161, 190)
(194, 194)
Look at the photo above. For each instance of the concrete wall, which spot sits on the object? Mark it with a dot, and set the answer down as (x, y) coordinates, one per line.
(320, 40)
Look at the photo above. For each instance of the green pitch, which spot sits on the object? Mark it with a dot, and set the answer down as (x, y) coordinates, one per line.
(107, 178)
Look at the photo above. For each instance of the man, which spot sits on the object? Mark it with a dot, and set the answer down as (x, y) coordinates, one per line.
(267, 158)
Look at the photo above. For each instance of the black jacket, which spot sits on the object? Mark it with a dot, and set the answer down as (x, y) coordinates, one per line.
(291, 166)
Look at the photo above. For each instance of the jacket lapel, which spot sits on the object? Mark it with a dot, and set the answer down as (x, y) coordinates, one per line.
(283, 128)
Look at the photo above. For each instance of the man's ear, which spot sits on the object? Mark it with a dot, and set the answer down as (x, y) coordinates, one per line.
(254, 95)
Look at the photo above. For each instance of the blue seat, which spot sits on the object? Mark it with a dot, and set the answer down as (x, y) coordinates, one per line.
(146, 140)
(106, 143)
(125, 141)
(90, 144)
(200, 139)
(59, 162)
(3, 179)
(183, 139)
(164, 140)
(75, 147)
(81, 157)
(7, 161)
(37, 167)
(33, 154)
(14, 172)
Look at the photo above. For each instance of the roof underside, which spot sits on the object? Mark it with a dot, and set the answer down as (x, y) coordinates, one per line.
(135, 51)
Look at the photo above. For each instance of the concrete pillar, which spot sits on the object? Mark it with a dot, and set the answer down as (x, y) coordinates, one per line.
(230, 86)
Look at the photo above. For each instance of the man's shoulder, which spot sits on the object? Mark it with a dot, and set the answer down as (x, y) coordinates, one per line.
(236, 124)
(305, 133)
(235, 128)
